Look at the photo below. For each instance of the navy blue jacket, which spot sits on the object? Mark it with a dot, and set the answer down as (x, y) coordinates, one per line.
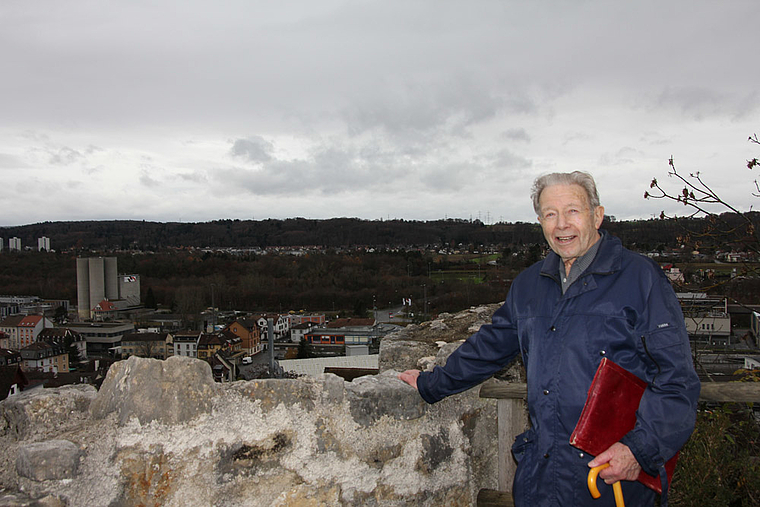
(623, 308)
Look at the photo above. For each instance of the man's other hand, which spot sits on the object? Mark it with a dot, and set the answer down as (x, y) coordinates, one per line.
(410, 377)
(623, 465)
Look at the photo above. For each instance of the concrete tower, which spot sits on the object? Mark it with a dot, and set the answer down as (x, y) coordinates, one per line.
(83, 288)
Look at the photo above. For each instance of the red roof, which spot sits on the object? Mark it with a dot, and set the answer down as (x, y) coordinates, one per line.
(30, 321)
(105, 306)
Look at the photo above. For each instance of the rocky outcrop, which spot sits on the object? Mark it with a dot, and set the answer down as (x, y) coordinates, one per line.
(163, 433)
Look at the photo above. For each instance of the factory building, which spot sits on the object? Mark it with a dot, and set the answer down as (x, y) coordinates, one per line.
(98, 281)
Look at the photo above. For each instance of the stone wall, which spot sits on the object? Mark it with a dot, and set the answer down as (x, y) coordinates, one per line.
(163, 433)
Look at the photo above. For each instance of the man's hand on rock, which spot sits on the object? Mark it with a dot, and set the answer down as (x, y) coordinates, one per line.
(410, 377)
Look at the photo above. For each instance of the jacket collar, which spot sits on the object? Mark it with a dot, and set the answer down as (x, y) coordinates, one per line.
(607, 260)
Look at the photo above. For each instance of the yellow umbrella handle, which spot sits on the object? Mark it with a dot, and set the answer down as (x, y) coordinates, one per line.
(617, 489)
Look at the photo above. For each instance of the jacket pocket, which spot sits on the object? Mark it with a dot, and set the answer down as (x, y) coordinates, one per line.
(523, 486)
(522, 443)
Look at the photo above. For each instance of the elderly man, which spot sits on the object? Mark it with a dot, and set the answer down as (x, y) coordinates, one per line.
(590, 298)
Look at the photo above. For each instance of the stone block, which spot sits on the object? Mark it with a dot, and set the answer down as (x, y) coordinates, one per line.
(50, 460)
(374, 396)
(271, 392)
(37, 411)
(172, 391)
(400, 354)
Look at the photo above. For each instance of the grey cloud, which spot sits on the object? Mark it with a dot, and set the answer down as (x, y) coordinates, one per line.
(506, 159)
(699, 103)
(423, 109)
(254, 149)
(624, 156)
(147, 180)
(65, 156)
(195, 177)
(516, 135)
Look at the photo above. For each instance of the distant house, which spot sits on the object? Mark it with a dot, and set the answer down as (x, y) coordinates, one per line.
(224, 343)
(154, 345)
(22, 330)
(186, 344)
(45, 357)
(249, 333)
(280, 323)
(110, 309)
(12, 380)
(209, 344)
(9, 357)
(299, 331)
(300, 318)
(4, 340)
(64, 336)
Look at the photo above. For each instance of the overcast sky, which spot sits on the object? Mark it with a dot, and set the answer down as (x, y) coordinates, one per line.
(194, 110)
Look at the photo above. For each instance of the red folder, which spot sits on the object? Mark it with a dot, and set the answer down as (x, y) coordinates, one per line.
(610, 413)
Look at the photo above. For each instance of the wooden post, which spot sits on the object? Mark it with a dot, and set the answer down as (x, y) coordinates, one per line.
(513, 420)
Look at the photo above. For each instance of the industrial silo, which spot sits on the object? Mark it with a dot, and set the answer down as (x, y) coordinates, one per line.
(97, 281)
(111, 279)
(83, 288)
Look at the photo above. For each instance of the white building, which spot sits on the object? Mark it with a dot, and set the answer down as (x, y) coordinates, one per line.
(43, 243)
(186, 344)
(14, 244)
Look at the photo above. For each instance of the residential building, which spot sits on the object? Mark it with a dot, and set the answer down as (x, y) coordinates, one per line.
(222, 342)
(23, 330)
(299, 331)
(4, 340)
(248, 331)
(103, 339)
(208, 345)
(8, 357)
(186, 344)
(14, 244)
(45, 357)
(280, 325)
(43, 243)
(300, 318)
(66, 337)
(155, 345)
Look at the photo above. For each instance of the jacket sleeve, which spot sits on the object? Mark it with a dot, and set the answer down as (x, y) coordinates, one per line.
(479, 357)
(667, 410)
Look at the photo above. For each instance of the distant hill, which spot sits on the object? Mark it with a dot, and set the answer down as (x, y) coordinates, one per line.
(336, 232)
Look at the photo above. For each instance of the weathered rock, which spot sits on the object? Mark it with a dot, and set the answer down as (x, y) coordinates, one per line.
(172, 391)
(33, 411)
(372, 397)
(50, 460)
(435, 451)
(272, 392)
(400, 352)
(18, 499)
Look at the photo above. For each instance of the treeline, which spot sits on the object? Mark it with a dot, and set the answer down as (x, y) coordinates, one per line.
(333, 233)
(350, 283)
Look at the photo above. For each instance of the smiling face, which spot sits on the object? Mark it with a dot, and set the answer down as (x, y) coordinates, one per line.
(570, 226)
